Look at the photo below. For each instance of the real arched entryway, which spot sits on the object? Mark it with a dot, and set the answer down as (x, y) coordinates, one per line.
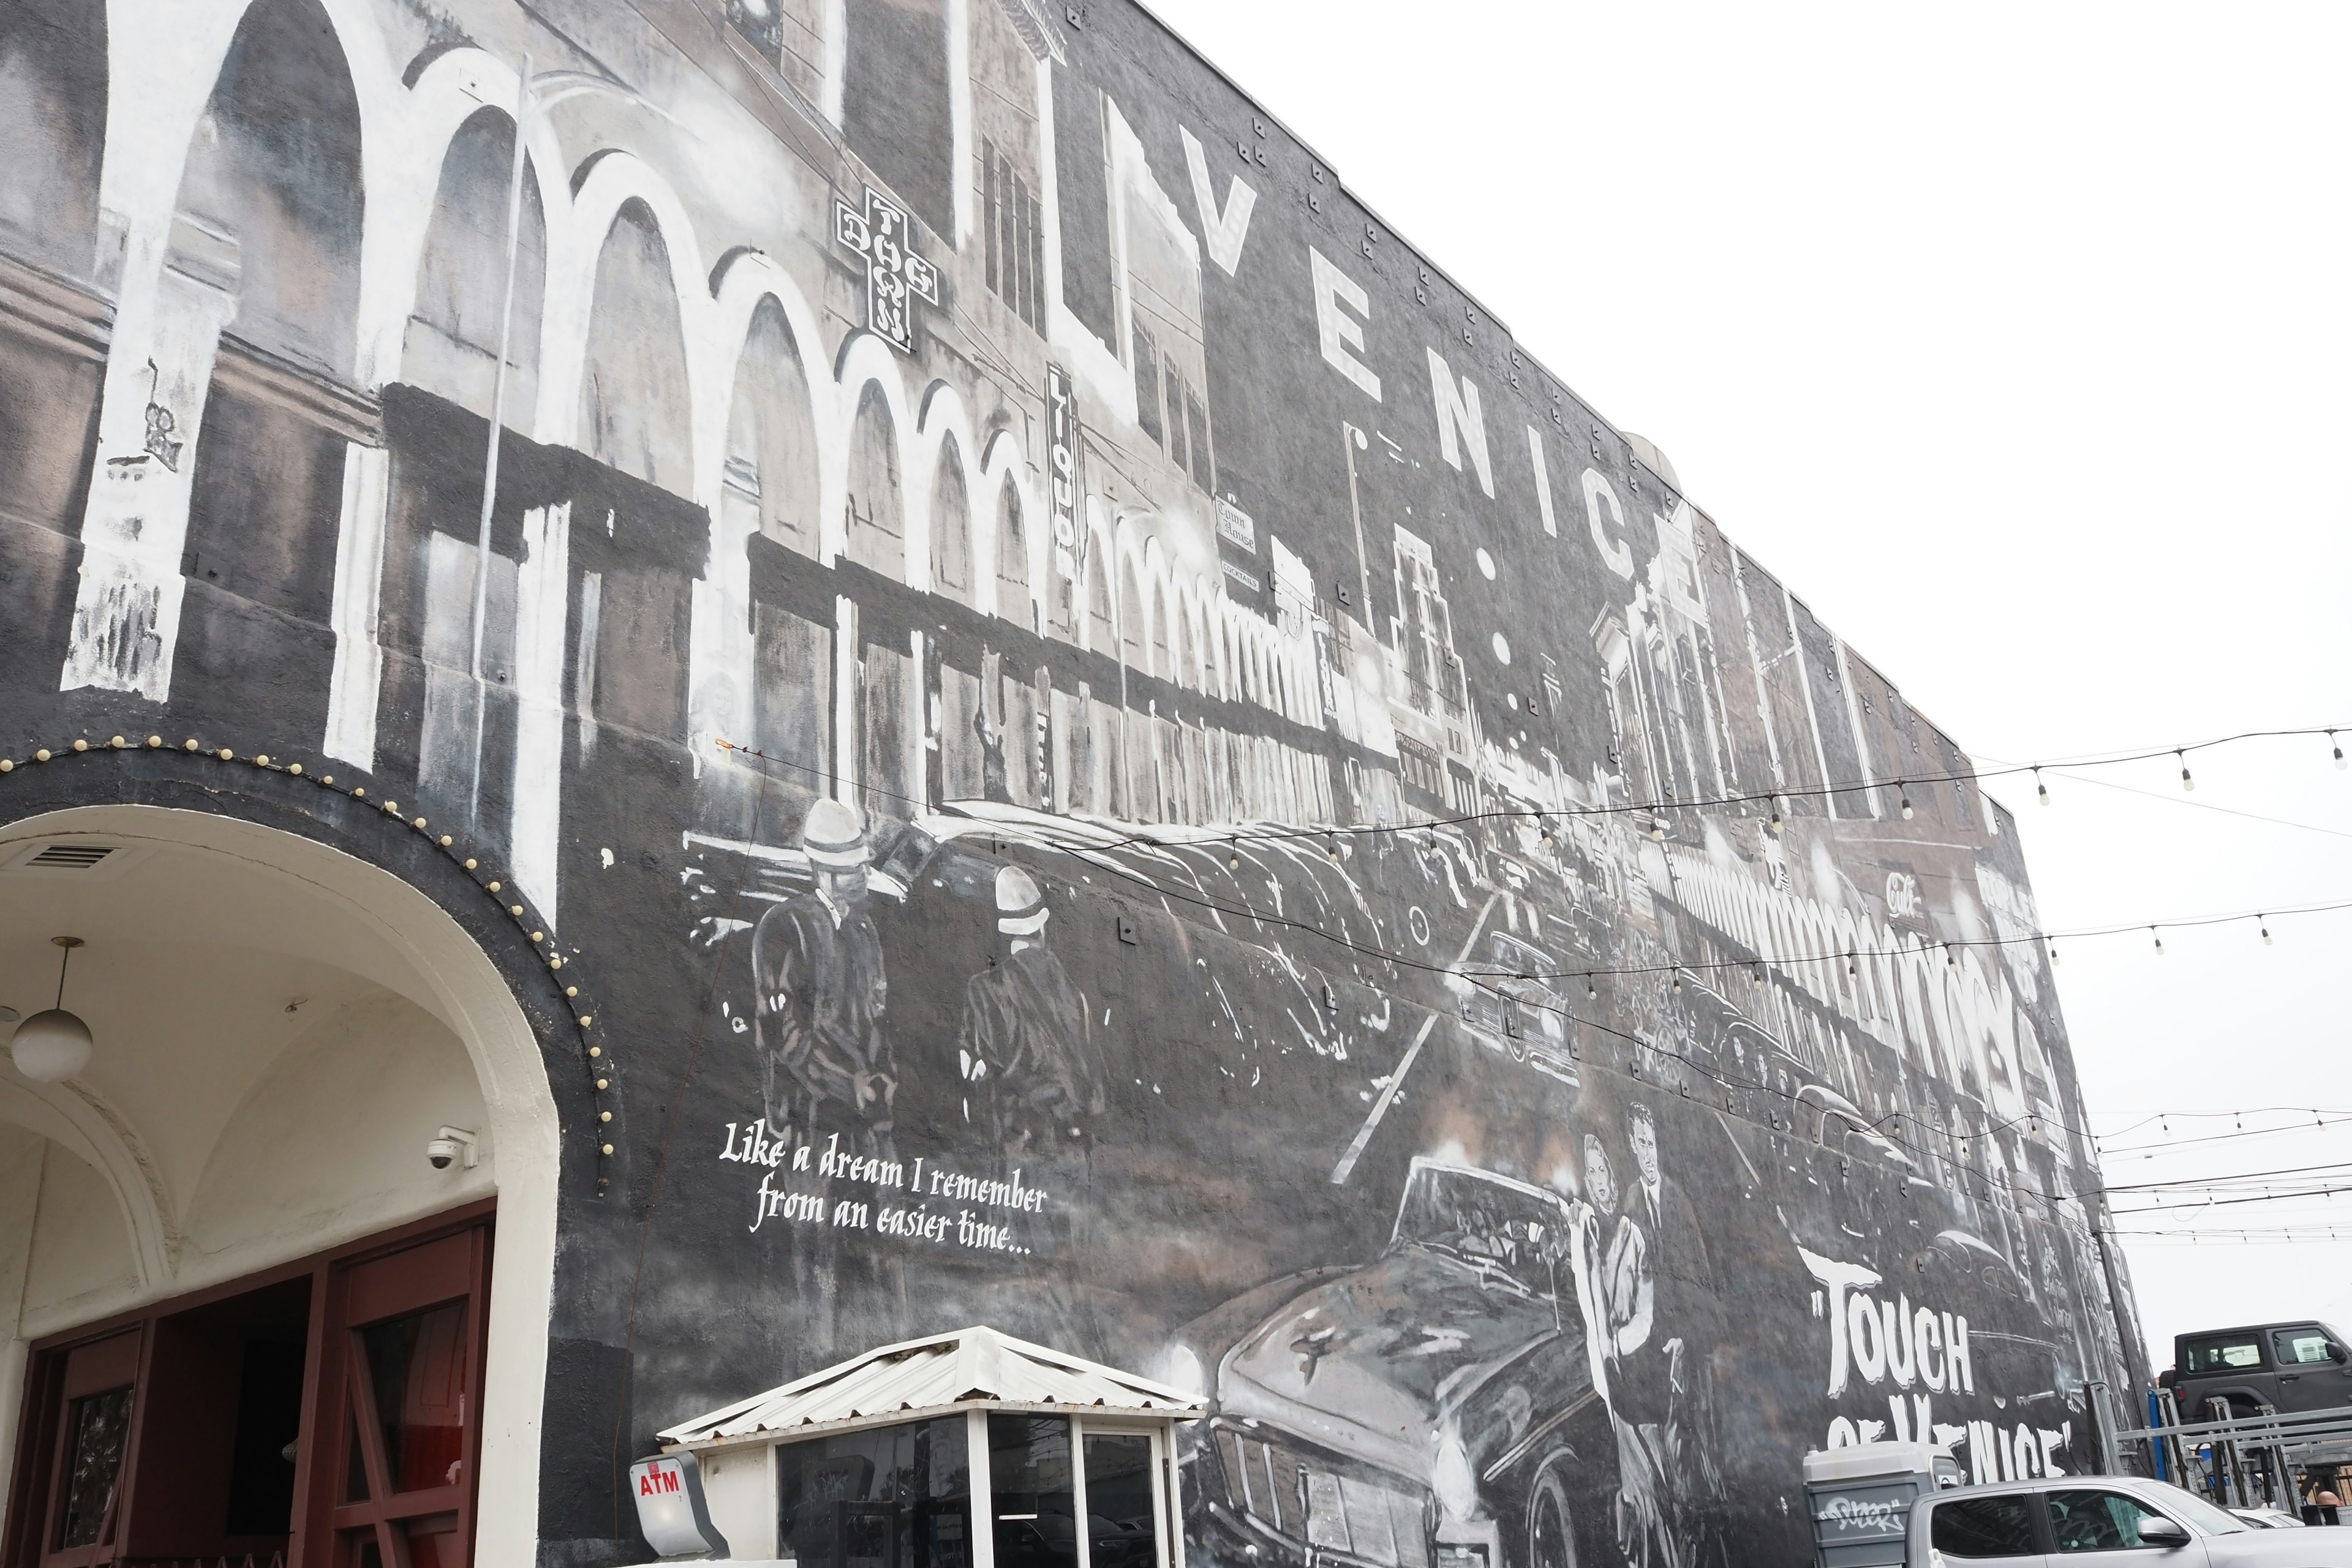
(232, 1210)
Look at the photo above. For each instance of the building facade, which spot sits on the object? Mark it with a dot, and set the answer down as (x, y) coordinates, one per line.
(714, 683)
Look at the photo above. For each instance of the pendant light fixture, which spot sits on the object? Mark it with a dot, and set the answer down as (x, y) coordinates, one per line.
(53, 1046)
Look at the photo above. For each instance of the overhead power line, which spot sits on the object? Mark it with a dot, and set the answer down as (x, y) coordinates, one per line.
(1888, 1126)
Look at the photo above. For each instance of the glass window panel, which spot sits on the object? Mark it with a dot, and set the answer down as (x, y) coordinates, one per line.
(355, 1481)
(894, 1497)
(2096, 1521)
(1984, 1527)
(1122, 1520)
(2299, 1347)
(418, 1364)
(99, 1422)
(1035, 1501)
(2222, 1355)
(434, 1545)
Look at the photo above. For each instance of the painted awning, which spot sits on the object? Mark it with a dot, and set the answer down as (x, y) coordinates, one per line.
(974, 1366)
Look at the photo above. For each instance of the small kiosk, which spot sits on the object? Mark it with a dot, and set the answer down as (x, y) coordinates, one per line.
(876, 1462)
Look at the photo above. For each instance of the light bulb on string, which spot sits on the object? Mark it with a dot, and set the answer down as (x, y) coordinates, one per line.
(1851, 967)
(2186, 782)
(1234, 859)
(1902, 797)
(2040, 788)
(1678, 982)
(1776, 814)
(2266, 924)
(2337, 749)
(1591, 991)
(1657, 829)
(1756, 979)
(2159, 942)
(2053, 954)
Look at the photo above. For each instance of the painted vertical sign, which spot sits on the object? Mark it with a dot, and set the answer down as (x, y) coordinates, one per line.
(1061, 459)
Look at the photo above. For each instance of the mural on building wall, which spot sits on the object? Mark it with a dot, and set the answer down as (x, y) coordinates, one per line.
(1142, 773)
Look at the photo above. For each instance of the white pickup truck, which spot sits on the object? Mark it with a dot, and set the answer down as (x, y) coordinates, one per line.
(2104, 1521)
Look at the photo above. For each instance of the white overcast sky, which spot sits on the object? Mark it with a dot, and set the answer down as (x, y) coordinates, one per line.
(2014, 339)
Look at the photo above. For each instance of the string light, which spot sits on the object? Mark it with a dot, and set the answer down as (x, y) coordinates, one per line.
(1776, 814)
(2265, 925)
(1678, 982)
(2337, 749)
(1591, 991)
(2159, 942)
(1903, 797)
(2186, 782)
(1233, 860)
(2040, 788)
(1423, 834)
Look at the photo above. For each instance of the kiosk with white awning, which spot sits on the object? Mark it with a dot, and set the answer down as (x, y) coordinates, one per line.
(876, 1462)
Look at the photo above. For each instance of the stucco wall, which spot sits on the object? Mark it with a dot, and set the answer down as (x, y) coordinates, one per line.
(1498, 968)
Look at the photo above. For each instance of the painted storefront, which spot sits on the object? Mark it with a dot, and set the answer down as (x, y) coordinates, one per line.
(1048, 727)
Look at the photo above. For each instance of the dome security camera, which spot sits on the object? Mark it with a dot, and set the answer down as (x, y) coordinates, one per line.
(450, 1145)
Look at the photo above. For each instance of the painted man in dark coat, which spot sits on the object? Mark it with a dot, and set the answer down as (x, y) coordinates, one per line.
(1667, 1390)
(826, 1063)
(1032, 1074)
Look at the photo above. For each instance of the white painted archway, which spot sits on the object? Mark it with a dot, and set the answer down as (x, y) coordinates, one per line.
(186, 1119)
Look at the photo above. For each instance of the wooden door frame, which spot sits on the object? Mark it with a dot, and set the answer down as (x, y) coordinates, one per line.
(344, 1374)
(31, 1496)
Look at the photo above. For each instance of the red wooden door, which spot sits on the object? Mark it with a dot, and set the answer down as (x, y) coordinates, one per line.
(89, 1438)
(400, 1400)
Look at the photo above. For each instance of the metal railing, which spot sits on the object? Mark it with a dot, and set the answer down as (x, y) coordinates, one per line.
(2241, 1461)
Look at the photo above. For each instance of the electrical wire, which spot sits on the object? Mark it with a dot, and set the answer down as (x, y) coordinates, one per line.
(1887, 1126)
(2217, 1181)
(1540, 815)
(2152, 1150)
(2202, 805)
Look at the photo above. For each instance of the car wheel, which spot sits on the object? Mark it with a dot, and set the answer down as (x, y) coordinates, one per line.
(1551, 1538)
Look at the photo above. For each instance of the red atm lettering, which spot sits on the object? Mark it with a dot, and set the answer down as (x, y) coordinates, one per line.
(655, 1482)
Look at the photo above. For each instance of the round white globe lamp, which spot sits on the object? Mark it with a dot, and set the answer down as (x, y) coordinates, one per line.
(54, 1045)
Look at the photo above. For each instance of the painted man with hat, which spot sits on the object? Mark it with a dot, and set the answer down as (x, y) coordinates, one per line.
(1031, 1075)
(826, 1063)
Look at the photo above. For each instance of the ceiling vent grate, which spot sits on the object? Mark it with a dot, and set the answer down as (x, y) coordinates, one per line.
(69, 857)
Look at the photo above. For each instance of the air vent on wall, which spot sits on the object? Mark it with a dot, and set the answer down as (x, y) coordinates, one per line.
(68, 857)
(77, 857)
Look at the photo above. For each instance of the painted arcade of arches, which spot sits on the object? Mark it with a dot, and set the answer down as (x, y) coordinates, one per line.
(298, 301)
(377, 258)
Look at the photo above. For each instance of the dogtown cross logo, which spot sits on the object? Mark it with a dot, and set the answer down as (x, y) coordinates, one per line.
(894, 273)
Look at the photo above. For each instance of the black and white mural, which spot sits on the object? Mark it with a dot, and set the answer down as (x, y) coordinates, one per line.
(1135, 769)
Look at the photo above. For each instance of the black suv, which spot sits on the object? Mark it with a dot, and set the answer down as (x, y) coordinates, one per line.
(2288, 1366)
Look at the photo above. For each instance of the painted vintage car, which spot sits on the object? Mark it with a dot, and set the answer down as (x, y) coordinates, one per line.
(1432, 1408)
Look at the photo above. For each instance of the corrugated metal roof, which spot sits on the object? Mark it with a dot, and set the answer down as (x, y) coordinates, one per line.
(969, 1366)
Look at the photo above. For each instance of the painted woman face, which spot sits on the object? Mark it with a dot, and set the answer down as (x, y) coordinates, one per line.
(1599, 1186)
